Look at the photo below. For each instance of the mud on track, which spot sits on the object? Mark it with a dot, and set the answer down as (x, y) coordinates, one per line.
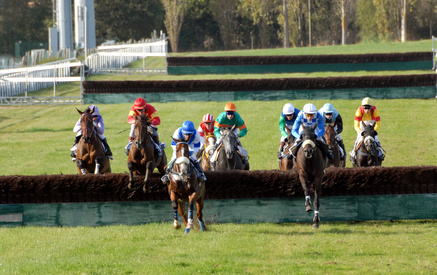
(220, 185)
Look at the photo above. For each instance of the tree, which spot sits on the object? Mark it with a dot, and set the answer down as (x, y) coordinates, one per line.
(133, 19)
(174, 17)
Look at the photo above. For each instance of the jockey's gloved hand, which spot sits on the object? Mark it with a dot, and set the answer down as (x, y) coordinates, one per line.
(153, 127)
(95, 124)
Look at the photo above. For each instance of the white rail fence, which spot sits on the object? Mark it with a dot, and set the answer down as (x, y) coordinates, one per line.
(14, 83)
(112, 59)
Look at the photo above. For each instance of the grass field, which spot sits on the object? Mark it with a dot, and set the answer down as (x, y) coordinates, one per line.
(35, 140)
(403, 247)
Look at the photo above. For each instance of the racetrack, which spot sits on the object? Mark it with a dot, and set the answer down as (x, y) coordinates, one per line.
(220, 185)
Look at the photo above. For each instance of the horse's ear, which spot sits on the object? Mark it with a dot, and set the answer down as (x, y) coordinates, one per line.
(375, 133)
(315, 126)
(233, 127)
(363, 133)
(92, 110)
(80, 112)
(175, 140)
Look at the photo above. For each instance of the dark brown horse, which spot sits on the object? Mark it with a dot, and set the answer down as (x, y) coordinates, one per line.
(228, 157)
(310, 164)
(366, 152)
(288, 161)
(207, 152)
(142, 159)
(185, 187)
(331, 141)
(90, 156)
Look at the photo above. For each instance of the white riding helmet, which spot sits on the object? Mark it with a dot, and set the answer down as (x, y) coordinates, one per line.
(309, 108)
(288, 109)
(367, 101)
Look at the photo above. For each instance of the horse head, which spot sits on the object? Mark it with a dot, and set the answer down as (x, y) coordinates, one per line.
(230, 141)
(182, 164)
(86, 124)
(308, 138)
(210, 145)
(140, 132)
(369, 135)
(330, 135)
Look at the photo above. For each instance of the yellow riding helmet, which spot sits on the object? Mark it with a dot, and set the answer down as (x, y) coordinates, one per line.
(230, 107)
(367, 101)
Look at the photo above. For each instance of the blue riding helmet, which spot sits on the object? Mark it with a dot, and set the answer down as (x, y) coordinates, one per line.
(188, 128)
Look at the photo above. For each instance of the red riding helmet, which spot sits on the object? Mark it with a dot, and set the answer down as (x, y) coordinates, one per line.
(140, 103)
(208, 118)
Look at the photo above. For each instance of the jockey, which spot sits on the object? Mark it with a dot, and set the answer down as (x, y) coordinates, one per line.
(189, 133)
(206, 128)
(99, 126)
(141, 107)
(286, 121)
(310, 117)
(331, 115)
(367, 113)
(228, 119)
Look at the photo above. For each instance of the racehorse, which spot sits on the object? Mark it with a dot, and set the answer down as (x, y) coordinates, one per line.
(310, 164)
(287, 162)
(90, 156)
(331, 141)
(185, 187)
(209, 147)
(366, 151)
(142, 158)
(228, 157)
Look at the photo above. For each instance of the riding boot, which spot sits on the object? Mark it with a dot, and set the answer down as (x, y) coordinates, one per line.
(281, 148)
(166, 179)
(197, 165)
(108, 150)
(325, 149)
(341, 143)
(74, 148)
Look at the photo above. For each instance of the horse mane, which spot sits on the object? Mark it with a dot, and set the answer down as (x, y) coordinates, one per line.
(308, 133)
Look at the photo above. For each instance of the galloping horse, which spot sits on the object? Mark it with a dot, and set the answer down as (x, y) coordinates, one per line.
(228, 157)
(209, 147)
(185, 187)
(331, 141)
(366, 150)
(142, 159)
(287, 162)
(90, 156)
(310, 164)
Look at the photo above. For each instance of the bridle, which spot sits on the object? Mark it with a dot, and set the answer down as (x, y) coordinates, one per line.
(85, 129)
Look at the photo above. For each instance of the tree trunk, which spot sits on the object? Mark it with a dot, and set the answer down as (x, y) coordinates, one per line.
(404, 21)
(286, 28)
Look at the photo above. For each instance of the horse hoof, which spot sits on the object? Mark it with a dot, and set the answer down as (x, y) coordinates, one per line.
(315, 225)
(144, 188)
(202, 226)
(176, 225)
(131, 186)
(308, 209)
(187, 230)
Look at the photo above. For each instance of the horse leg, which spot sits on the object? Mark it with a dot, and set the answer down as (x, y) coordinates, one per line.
(317, 190)
(99, 163)
(149, 171)
(131, 167)
(200, 204)
(174, 204)
(80, 165)
(306, 190)
(192, 199)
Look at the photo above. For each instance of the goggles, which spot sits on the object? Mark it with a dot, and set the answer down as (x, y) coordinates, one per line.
(328, 114)
(141, 110)
(367, 107)
(310, 116)
(230, 113)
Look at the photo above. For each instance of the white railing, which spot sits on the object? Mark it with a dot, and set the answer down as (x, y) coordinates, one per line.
(434, 52)
(113, 58)
(21, 81)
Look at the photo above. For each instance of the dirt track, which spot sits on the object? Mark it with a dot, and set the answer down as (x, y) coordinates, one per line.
(220, 185)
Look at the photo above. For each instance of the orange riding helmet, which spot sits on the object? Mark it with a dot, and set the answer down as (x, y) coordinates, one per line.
(230, 107)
